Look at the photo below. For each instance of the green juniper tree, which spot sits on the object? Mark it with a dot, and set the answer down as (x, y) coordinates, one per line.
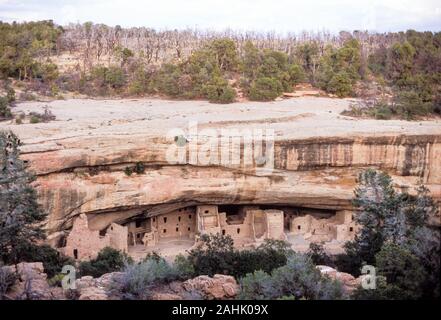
(20, 214)
(395, 237)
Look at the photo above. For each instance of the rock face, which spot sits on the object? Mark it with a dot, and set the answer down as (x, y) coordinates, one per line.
(350, 283)
(106, 287)
(81, 158)
(102, 288)
(218, 287)
(31, 283)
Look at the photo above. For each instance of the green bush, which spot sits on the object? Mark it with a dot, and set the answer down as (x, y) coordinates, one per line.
(383, 291)
(258, 285)
(5, 110)
(410, 104)
(47, 72)
(128, 171)
(10, 94)
(56, 280)
(218, 256)
(401, 268)
(340, 84)
(138, 279)
(265, 89)
(108, 260)
(184, 267)
(139, 168)
(115, 77)
(168, 81)
(7, 280)
(52, 260)
(104, 80)
(225, 53)
(296, 74)
(318, 255)
(382, 112)
(298, 279)
(219, 91)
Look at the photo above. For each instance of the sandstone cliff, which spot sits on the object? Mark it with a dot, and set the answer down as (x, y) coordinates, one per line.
(80, 158)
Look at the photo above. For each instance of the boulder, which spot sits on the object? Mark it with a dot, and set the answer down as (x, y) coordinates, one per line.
(93, 293)
(218, 287)
(32, 283)
(349, 282)
(102, 288)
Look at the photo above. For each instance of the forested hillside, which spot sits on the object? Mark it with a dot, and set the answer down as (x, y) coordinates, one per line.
(397, 74)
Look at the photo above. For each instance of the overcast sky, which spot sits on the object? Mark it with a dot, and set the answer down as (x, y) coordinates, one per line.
(260, 15)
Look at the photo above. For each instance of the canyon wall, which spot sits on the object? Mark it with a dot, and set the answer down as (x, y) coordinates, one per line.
(81, 158)
(317, 173)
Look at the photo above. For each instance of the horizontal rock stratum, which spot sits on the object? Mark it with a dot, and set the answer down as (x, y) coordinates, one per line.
(80, 158)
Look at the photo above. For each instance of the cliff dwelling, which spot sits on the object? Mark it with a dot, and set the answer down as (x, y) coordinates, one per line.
(178, 231)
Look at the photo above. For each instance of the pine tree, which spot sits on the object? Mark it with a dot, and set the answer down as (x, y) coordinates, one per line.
(20, 214)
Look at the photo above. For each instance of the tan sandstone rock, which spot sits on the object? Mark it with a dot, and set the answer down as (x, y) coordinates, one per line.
(349, 282)
(318, 154)
(32, 283)
(218, 287)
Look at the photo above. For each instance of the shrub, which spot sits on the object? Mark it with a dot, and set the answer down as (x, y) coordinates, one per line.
(383, 291)
(298, 279)
(108, 260)
(318, 255)
(139, 168)
(168, 81)
(34, 119)
(115, 77)
(53, 261)
(401, 268)
(5, 110)
(265, 89)
(410, 104)
(296, 74)
(258, 285)
(7, 280)
(219, 91)
(139, 279)
(184, 267)
(225, 53)
(105, 80)
(381, 112)
(128, 171)
(46, 116)
(56, 280)
(217, 255)
(340, 84)
(27, 96)
(10, 94)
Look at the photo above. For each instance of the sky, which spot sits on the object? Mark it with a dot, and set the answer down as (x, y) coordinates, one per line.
(280, 16)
